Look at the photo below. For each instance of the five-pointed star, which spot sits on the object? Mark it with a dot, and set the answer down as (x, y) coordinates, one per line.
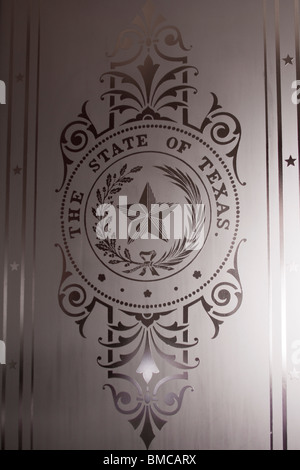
(288, 60)
(14, 266)
(293, 267)
(19, 77)
(294, 374)
(149, 215)
(12, 364)
(17, 170)
(291, 161)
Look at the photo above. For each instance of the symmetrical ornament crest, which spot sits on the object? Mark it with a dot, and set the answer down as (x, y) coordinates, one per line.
(150, 156)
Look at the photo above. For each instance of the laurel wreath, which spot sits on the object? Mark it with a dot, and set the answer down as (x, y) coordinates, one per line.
(179, 251)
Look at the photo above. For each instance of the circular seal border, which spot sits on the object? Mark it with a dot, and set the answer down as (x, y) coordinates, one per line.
(221, 266)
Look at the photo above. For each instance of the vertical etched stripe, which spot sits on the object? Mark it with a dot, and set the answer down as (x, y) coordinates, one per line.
(297, 50)
(23, 231)
(268, 224)
(281, 229)
(6, 230)
(35, 230)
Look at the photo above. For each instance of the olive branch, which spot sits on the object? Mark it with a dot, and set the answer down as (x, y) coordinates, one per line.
(115, 183)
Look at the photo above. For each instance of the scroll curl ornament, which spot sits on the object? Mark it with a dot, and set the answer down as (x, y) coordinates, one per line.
(225, 130)
(169, 36)
(75, 138)
(148, 410)
(226, 297)
(148, 31)
(73, 298)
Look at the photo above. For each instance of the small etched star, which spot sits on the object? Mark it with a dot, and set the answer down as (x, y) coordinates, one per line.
(294, 374)
(293, 267)
(147, 293)
(12, 365)
(20, 77)
(291, 161)
(17, 170)
(14, 266)
(197, 274)
(101, 277)
(288, 60)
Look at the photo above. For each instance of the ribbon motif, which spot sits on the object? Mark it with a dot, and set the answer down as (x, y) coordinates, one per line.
(147, 257)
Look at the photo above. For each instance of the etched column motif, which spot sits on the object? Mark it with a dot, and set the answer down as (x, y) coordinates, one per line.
(144, 204)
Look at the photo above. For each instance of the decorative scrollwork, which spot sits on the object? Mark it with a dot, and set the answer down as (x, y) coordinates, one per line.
(149, 413)
(151, 338)
(147, 32)
(171, 399)
(73, 298)
(75, 138)
(223, 294)
(171, 37)
(226, 297)
(225, 130)
(122, 399)
(149, 97)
